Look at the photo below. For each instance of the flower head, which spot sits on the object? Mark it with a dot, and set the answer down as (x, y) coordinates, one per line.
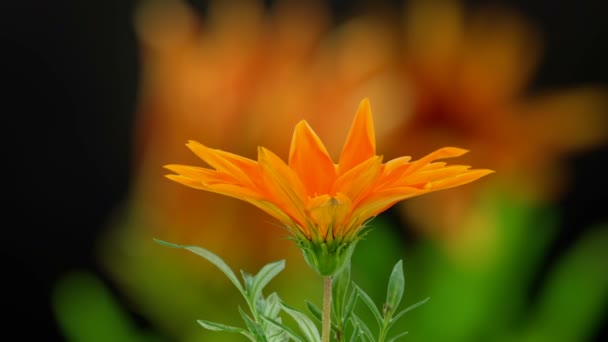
(469, 71)
(324, 205)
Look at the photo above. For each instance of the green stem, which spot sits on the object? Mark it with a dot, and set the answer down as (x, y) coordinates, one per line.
(326, 328)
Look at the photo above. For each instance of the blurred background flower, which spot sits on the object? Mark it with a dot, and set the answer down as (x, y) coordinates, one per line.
(468, 74)
(122, 86)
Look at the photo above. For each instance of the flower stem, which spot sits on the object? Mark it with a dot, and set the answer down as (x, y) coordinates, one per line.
(326, 328)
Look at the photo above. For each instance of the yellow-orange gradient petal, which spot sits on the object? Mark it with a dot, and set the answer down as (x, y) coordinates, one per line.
(282, 186)
(357, 181)
(329, 213)
(309, 159)
(232, 164)
(360, 143)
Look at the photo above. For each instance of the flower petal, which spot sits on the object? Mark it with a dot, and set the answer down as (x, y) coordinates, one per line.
(200, 174)
(281, 185)
(460, 179)
(378, 202)
(360, 143)
(327, 212)
(392, 170)
(232, 164)
(310, 160)
(442, 153)
(359, 180)
(431, 175)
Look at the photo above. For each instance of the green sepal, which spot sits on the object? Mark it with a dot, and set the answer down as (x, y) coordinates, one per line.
(327, 259)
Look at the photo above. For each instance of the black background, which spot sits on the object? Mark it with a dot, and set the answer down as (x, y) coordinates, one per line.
(70, 73)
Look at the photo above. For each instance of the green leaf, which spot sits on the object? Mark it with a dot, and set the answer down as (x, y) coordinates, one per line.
(286, 329)
(272, 306)
(314, 310)
(394, 338)
(370, 304)
(212, 258)
(359, 324)
(350, 305)
(396, 286)
(308, 327)
(356, 332)
(248, 280)
(221, 327)
(339, 288)
(254, 327)
(264, 276)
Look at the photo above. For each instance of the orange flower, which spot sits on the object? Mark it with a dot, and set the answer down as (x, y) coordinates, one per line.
(324, 205)
(469, 71)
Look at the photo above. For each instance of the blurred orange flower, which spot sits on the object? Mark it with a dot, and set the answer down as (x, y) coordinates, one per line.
(466, 74)
(233, 75)
(324, 205)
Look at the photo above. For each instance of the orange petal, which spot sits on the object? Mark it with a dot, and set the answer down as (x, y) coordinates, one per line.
(442, 153)
(378, 202)
(281, 185)
(310, 160)
(200, 174)
(460, 179)
(432, 175)
(225, 162)
(360, 143)
(328, 212)
(193, 183)
(358, 180)
(392, 170)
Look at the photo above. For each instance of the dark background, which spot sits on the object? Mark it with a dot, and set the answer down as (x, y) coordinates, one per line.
(70, 75)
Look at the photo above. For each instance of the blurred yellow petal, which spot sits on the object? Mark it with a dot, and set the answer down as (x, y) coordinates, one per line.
(568, 120)
(499, 55)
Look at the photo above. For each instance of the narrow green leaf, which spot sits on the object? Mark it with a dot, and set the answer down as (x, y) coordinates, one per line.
(308, 327)
(212, 258)
(221, 327)
(277, 334)
(248, 280)
(286, 329)
(398, 336)
(273, 305)
(264, 276)
(396, 286)
(350, 306)
(370, 304)
(365, 331)
(315, 311)
(404, 311)
(254, 327)
(339, 288)
(356, 333)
